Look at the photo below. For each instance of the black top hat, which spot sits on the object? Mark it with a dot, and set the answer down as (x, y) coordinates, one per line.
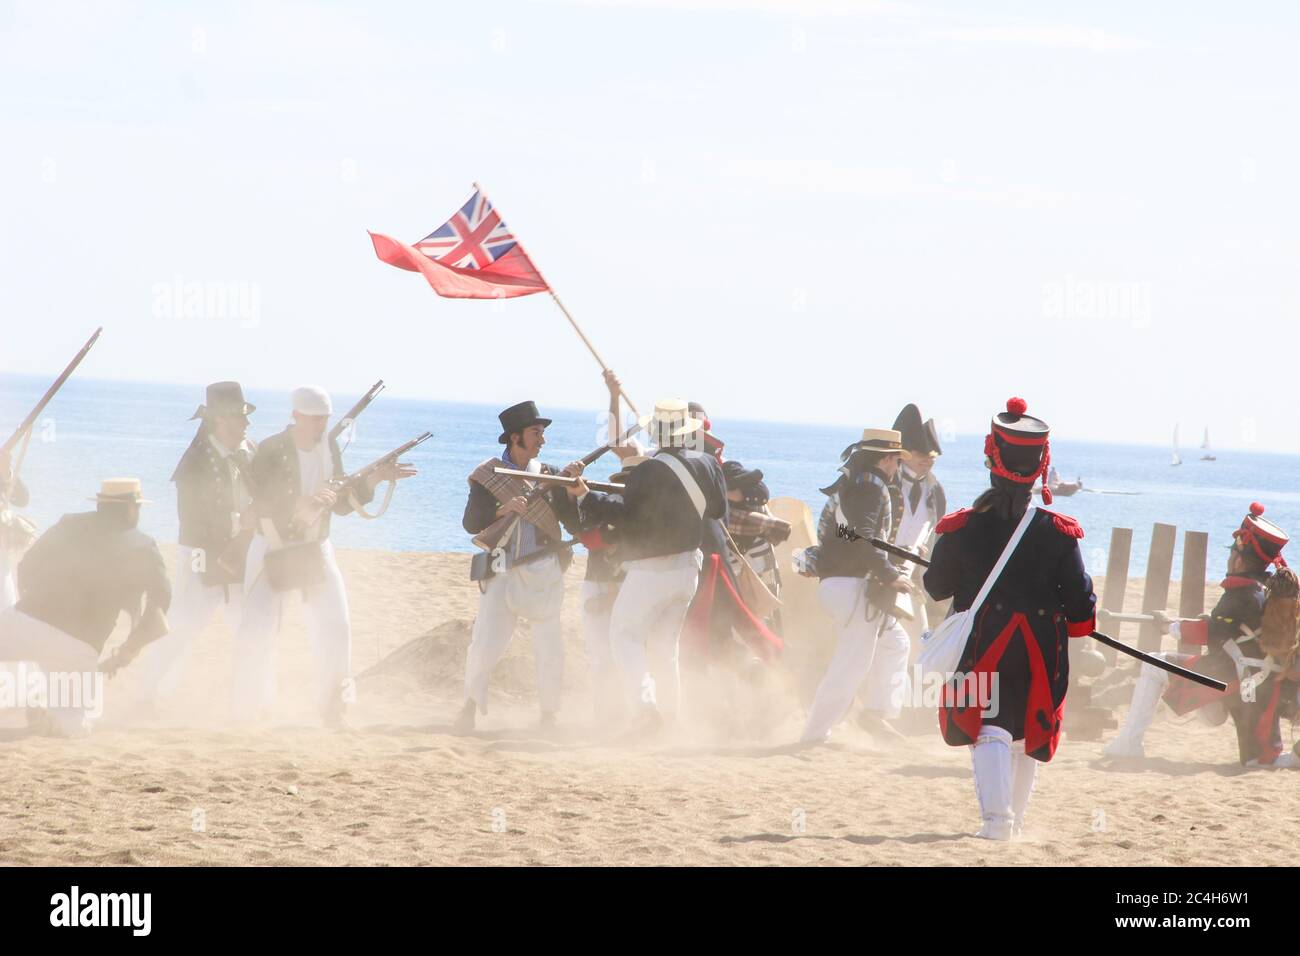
(738, 476)
(518, 417)
(917, 436)
(224, 398)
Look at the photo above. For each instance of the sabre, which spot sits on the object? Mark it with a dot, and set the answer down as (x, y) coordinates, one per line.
(1191, 675)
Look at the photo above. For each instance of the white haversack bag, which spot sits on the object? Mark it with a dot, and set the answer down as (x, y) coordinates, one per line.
(941, 650)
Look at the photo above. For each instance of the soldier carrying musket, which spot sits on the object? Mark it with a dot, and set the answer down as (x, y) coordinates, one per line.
(296, 482)
(524, 577)
(214, 505)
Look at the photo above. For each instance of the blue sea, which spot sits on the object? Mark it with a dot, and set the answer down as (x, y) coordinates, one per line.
(98, 429)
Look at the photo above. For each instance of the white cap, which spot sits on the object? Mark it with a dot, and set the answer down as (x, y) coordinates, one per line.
(312, 400)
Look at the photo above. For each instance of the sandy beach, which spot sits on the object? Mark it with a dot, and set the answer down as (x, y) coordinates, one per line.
(398, 788)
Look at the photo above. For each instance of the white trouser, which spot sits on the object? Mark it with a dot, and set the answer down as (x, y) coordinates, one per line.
(162, 663)
(328, 629)
(597, 609)
(991, 762)
(844, 599)
(885, 689)
(535, 592)
(1004, 781)
(64, 660)
(8, 578)
(646, 624)
(1147, 691)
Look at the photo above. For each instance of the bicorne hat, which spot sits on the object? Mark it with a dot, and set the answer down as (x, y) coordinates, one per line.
(518, 417)
(1017, 447)
(1261, 539)
(918, 437)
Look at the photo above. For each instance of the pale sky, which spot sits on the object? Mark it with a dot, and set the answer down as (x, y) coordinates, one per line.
(804, 210)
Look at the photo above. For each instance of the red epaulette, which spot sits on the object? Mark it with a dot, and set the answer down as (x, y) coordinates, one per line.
(953, 522)
(1066, 525)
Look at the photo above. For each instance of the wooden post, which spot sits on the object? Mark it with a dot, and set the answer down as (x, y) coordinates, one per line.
(1191, 590)
(1155, 595)
(1112, 599)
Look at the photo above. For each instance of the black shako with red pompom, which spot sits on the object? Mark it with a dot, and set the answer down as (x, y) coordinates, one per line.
(1017, 446)
(1260, 538)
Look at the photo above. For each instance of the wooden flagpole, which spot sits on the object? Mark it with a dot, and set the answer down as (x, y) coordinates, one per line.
(582, 335)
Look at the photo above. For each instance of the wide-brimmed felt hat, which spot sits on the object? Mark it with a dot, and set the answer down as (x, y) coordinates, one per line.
(671, 419)
(125, 490)
(224, 398)
(518, 417)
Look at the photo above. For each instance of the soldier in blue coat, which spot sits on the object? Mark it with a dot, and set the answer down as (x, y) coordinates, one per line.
(1018, 647)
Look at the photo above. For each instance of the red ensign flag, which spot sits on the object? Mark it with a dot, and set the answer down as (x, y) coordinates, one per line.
(471, 256)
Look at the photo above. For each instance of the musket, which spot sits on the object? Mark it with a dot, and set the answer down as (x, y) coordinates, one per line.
(493, 534)
(609, 486)
(346, 484)
(1106, 639)
(355, 411)
(35, 413)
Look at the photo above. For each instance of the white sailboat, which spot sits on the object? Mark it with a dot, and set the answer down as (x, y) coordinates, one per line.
(1205, 447)
(1177, 458)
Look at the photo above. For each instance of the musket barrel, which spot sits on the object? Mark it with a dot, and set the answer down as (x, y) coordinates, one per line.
(559, 479)
(50, 392)
(355, 411)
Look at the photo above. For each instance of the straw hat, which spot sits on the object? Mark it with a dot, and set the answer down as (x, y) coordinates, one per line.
(885, 440)
(671, 419)
(120, 489)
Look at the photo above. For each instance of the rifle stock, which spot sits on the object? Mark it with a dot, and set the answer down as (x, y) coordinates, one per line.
(611, 486)
(491, 536)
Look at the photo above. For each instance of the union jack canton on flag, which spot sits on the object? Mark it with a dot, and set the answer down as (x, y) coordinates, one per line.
(473, 255)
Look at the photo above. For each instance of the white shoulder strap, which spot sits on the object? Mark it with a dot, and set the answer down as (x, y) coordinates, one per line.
(687, 479)
(1009, 550)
